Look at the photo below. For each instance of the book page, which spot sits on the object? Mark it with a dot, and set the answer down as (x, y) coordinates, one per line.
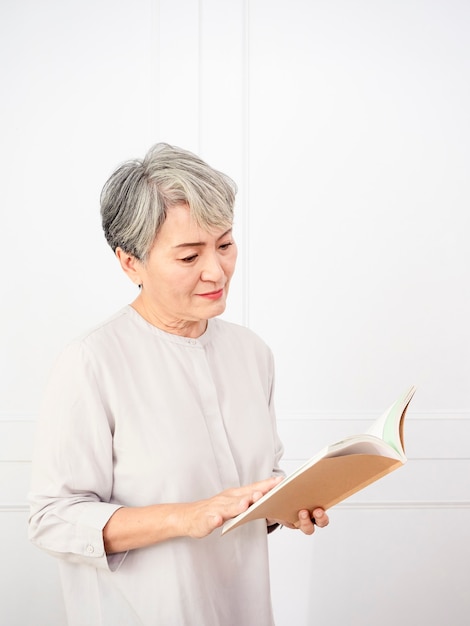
(362, 444)
(387, 426)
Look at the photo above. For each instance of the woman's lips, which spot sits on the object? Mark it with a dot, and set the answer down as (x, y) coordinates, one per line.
(212, 295)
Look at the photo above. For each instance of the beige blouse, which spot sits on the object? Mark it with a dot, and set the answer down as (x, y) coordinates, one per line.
(135, 416)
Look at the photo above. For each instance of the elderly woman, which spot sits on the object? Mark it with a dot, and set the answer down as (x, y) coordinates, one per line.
(158, 425)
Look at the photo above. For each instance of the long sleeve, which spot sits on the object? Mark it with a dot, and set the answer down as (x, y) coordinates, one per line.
(73, 467)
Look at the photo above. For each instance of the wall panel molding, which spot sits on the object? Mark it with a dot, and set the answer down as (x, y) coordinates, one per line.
(13, 508)
(289, 416)
(431, 435)
(465, 504)
(457, 506)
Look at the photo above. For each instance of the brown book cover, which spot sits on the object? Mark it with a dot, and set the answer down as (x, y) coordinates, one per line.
(337, 472)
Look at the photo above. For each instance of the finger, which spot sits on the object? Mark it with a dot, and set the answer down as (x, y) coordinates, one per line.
(306, 525)
(256, 496)
(256, 490)
(321, 519)
(237, 505)
(248, 500)
(215, 521)
(265, 485)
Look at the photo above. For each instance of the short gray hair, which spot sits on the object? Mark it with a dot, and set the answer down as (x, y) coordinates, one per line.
(136, 197)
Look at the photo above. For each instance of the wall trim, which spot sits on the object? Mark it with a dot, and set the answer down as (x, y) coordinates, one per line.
(17, 417)
(285, 415)
(325, 416)
(14, 508)
(430, 504)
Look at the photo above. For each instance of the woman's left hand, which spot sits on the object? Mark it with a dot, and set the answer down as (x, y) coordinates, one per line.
(308, 520)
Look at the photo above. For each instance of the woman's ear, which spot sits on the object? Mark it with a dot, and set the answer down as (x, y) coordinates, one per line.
(130, 266)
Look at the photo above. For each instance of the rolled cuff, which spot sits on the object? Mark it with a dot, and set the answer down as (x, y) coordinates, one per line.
(90, 526)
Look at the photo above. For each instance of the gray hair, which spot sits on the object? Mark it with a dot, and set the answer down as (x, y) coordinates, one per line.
(136, 197)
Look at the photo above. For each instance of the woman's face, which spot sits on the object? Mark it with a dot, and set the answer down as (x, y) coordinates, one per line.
(186, 277)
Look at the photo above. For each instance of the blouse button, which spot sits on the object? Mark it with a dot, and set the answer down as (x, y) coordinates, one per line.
(90, 549)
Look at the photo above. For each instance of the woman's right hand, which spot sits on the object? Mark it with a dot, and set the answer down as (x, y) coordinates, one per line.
(136, 527)
(204, 516)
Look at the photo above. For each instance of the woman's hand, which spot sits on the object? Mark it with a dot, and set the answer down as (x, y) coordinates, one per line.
(204, 516)
(136, 527)
(308, 521)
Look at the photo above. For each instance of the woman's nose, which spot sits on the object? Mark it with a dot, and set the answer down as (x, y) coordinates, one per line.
(212, 270)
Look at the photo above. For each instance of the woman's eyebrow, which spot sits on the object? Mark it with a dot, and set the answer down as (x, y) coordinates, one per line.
(192, 244)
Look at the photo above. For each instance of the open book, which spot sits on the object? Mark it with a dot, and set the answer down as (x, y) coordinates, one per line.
(336, 472)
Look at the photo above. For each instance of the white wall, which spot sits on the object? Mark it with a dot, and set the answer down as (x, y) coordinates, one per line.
(346, 127)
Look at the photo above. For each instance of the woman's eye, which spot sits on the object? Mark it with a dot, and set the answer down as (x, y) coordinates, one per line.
(189, 259)
(226, 246)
